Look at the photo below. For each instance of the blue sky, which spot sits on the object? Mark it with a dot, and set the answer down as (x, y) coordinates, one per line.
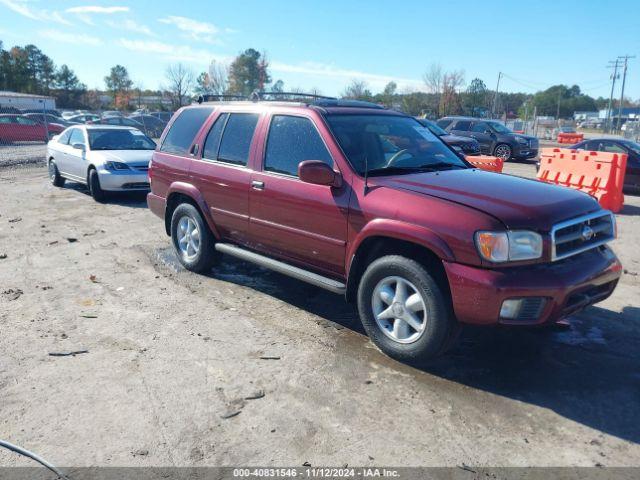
(325, 44)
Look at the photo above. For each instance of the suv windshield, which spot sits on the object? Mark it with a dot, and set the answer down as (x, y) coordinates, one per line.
(389, 144)
(112, 139)
(498, 127)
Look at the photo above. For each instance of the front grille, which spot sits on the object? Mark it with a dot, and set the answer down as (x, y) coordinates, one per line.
(587, 297)
(136, 185)
(581, 234)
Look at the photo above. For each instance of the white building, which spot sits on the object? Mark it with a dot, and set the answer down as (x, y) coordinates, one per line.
(23, 101)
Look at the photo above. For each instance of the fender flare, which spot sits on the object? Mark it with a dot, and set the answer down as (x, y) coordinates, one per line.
(194, 194)
(405, 231)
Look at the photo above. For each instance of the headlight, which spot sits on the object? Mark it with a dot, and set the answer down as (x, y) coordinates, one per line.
(116, 166)
(522, 140)
(509, 246)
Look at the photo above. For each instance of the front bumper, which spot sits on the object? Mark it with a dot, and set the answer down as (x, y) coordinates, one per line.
(123, 180)
(525, 152)
(568, 286)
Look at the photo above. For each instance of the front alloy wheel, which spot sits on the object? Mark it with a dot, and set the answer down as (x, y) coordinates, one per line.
(399, 309)
(503, 151)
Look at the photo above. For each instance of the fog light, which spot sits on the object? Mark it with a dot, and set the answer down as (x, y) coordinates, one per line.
(511, 308)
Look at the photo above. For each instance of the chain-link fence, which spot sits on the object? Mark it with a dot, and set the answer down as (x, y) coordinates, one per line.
(24, 133)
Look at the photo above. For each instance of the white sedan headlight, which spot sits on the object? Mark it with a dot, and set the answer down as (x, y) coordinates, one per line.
(116, 166)
(509, 246)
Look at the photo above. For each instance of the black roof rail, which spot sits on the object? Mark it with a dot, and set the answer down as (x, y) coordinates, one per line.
(210, 97)
(334, 102)
(259, 95)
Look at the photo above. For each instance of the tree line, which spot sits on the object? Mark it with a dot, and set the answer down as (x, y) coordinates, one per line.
(28, 70)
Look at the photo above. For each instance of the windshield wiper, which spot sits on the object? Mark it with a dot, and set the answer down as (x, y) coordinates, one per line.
(439, 166)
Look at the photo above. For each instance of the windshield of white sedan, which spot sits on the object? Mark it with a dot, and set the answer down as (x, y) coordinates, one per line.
(389, 145)
(110, 139)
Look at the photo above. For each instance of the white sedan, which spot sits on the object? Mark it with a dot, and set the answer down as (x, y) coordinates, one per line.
(105, 158)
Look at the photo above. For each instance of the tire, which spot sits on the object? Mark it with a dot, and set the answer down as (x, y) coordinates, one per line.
(503, 151)
(435, 314)
(194, 246)
(54, 175)
(98, 194)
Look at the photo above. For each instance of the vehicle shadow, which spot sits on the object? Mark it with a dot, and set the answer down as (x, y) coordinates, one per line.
(631, 210)
(126, 199)
(589, 372)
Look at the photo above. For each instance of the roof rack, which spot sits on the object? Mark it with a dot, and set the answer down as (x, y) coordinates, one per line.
(311, 99)
(257, 96)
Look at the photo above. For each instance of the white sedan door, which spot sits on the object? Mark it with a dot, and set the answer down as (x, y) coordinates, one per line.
(76, 157)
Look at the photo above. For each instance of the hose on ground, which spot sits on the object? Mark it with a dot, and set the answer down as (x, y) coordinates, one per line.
(32, 456)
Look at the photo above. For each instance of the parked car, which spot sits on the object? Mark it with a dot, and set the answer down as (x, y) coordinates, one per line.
(48, 111)
(617, 145)
(494, 137)
(463, 145)
(47, 118)
(153, 125)
(112, 113)
(164, 116)
(18, 128)
(105, 158)
(82, 118)
(123, 121)
(367, 203)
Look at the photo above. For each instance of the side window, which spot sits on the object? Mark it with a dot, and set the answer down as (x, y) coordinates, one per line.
(76, 137)
(462, 125)
(25, 121)
(444, 123)
(64, 137)
(236, 139)
(184, 129)
(292, 140)
(613, 148)
(212, 143)
(480, 127)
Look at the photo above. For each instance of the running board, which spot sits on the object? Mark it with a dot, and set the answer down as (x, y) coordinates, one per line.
(281, 267)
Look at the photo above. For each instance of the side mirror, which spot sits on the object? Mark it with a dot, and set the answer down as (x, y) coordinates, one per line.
(78, 146)
(319, 173)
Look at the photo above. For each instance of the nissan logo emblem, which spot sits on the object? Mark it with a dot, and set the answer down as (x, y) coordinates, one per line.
(587, 233)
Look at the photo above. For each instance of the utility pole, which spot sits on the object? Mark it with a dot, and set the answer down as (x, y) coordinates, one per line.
(558, 107)
(613, 65)
(495, 97)
(624, 79)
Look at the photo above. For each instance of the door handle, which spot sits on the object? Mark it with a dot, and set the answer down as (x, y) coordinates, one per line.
(256, 185)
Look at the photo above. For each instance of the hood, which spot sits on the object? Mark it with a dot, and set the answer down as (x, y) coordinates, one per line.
(517, 202)
(130, 157)
(455, 139)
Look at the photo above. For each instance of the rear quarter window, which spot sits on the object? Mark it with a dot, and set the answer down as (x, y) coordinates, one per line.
(184, 129)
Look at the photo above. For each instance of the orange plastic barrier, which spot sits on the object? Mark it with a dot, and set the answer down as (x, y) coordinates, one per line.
(485, 162)
(600, 174)
(570, 137)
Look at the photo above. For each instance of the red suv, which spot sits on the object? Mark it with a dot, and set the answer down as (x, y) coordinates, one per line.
(368, 203)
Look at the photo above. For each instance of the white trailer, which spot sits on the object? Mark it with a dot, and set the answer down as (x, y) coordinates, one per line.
(24, 101)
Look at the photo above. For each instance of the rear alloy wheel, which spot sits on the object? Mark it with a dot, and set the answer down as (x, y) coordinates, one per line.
(192, 239)
(404, 310)
(54, 175)
(98, 194)
(503, 151)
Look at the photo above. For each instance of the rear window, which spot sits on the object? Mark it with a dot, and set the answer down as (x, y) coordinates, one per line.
(236, 139)
(184, 129)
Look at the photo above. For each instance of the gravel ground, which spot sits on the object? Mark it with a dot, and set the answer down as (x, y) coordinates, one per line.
(245, 366)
